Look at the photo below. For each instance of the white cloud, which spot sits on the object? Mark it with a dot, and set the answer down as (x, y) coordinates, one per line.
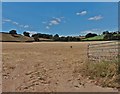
(47, 27)
(54, 22)
(58, 19)
(99, 17)
(87, 31)
(26, 26)
(7, 20)
(96, 31)
(81, 13)
(15, 23)
(21, 26)
(32, 32)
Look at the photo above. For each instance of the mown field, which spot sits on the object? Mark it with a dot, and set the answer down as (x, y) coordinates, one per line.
(47, 67)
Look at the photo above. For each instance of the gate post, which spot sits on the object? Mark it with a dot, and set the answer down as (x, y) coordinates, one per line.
(88, 54)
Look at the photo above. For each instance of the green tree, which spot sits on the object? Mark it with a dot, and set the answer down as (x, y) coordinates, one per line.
(105, 32)
(13, 32)
(26, 34)
(90, 35)
(56, 37)
(108, 36)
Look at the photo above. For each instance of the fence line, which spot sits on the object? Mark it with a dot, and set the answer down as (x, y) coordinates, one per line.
(106, 51)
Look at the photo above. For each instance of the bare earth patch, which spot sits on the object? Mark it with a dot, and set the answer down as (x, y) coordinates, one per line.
(45, 67)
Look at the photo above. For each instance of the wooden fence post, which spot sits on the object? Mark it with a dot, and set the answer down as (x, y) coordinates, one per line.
(88, 52)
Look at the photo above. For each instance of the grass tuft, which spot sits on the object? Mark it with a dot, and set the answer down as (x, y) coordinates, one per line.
(104, 73)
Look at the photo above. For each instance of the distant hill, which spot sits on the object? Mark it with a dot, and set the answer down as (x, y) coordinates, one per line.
(6, 37)
(99, 37)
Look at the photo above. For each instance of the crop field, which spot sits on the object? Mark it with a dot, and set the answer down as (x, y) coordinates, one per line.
(46, 67)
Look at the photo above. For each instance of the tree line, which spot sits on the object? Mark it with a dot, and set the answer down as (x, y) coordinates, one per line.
(111, 35)
(107, 36)
(55, 37)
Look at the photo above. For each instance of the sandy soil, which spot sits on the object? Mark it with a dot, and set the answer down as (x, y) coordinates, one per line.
(45, 67)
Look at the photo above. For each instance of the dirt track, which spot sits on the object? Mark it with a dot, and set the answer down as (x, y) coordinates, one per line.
(45, 67)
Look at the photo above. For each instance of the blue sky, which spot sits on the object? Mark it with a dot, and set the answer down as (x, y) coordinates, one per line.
(62, 18)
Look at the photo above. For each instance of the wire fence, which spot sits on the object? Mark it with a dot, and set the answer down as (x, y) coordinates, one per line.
(106, 51)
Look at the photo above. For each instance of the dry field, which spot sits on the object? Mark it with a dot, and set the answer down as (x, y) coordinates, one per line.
(45, 67)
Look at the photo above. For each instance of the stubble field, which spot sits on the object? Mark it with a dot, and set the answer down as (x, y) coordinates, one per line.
(45, 67)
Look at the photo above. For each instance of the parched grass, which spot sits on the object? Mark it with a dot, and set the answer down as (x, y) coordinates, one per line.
(104, 73)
